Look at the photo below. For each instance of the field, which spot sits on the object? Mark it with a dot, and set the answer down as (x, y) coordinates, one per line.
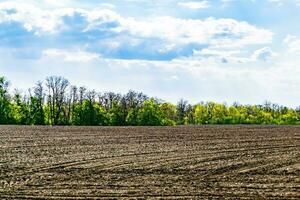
(206, 162)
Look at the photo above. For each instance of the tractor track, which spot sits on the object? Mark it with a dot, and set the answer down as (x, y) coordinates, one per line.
(193, 162)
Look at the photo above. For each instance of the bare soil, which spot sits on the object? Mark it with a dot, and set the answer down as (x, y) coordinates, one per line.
(188, 162)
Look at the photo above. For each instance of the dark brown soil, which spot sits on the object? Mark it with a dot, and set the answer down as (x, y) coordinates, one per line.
(193, 162)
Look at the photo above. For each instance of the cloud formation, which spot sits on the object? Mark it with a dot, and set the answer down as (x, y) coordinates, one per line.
(293, 43)
(222, 50)
(106, 32)
(70, 56)
(263, 54)
(195, 5)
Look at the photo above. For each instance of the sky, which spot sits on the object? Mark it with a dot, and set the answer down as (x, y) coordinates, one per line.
(245, 51)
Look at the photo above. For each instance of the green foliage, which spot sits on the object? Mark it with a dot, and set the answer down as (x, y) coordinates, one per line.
(131, 118)
(37, 111)
(5, 104)
(115, 115)
(169, 114)
(20, 110)
(60, 104)
(200, 114)
(89, 114)
(181, 111)
(150, 114)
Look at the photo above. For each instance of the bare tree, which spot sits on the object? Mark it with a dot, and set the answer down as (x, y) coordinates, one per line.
(39, 100)
(108, 98)
(72, 100)
(132, 101)
(57, 87)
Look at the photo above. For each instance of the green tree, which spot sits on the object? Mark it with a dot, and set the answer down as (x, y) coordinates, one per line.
(150, 114)
(169, 114)
(5, 105)
(37, 104)
(290, 117)
(234, 116)
(181, 111)
(66, 105)
(21, 110)
(218, 114)
(132, 117)
(190, 115)
(200, 114)
(115, 114)
(93, 114)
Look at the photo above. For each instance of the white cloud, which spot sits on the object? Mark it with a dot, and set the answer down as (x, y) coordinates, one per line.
(220, 56)
(220, 64)
(282, 2)
(194, 5)
(244, 82)
(293, 43)
(30, 16)
(212, 31)
(58, 3)
(263, 54)
(278, 2)
(217, 32)
(167, 34)
(71, 55)
(43, 21)
(108, 5)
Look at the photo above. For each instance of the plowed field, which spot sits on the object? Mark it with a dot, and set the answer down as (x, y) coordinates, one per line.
(193, 162)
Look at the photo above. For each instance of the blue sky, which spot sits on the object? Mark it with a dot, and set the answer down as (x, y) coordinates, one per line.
(220, 50)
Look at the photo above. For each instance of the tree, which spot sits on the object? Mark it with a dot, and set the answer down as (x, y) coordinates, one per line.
(219, 114)
(57, 86)
(234, 115)
(37, 104)
(168, 113)
(290, 117)
(5, 111)
(189, 115)
(108, 99)
(101, 117)
(181, 111)
(92, 112)
(150, 114)
(115, 114)
(200, 114)
(130, 104)
(59, 104)
(21, 109)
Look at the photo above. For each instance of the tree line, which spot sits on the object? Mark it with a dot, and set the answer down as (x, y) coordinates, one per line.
(56, 102)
